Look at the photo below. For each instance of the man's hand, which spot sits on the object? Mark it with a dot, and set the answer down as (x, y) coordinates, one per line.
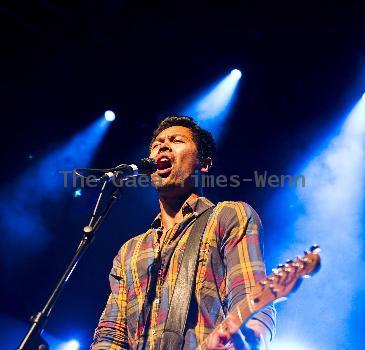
(255, 336)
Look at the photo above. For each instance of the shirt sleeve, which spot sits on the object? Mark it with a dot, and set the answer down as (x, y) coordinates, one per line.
(242, 250)
(111, 332)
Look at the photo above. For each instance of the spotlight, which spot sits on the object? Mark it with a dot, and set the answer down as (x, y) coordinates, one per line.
(78, 193)
(211, 109)
(284, 345)
(236, 74)
(109, 116)
(70, 345)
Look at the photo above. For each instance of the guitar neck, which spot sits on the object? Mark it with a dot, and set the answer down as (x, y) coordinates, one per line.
(242, 312)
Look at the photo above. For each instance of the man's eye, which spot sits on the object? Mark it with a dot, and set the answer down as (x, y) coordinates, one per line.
(178, 141)
(154, 146)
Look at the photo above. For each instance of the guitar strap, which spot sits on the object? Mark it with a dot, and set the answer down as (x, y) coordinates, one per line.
(173, 334)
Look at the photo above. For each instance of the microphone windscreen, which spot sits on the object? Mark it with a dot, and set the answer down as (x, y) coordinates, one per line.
(147, 166)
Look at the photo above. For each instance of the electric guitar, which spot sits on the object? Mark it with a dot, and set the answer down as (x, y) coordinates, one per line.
(284, 280)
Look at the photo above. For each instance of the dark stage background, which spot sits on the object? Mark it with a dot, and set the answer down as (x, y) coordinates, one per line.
(64, 63)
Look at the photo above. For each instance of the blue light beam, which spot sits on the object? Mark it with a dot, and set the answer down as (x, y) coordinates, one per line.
(329, 211)
(211, 109)
(22, 202)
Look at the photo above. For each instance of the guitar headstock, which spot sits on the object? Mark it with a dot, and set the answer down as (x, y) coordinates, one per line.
(285, 279)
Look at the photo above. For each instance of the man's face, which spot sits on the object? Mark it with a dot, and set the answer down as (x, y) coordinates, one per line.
(176, 155)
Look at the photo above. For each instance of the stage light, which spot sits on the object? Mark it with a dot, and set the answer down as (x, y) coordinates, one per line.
(212, 107)
(109, 116)
(289, 345)
(70, 345)
(78, 193)
(236, 74)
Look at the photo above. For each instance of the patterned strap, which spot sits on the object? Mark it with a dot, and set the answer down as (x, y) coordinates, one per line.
(173, 334)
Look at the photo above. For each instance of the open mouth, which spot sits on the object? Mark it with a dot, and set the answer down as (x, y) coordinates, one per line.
(164, 166)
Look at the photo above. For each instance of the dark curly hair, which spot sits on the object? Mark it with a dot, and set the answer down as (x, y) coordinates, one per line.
(203, 139)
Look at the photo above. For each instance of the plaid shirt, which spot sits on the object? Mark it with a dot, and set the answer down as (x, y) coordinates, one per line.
(229, 264)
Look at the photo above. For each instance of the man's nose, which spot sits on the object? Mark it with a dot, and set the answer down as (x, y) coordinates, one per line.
(164, 148)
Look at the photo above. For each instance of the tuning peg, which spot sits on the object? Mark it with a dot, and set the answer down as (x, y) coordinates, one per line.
(277, 272)
(304, 260)
(273, 289)
(315, 249)
(288, 264)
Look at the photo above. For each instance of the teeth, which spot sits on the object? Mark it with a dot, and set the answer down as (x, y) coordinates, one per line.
(164, 158)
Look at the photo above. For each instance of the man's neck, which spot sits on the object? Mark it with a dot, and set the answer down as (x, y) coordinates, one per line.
(171, 209)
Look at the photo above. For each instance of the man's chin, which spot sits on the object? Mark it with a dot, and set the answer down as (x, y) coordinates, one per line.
(165, 184)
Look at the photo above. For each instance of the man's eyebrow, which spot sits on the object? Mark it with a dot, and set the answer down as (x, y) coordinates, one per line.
(168, 136)
(181, 135)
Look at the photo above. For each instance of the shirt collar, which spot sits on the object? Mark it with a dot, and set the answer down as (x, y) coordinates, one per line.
(191, 205)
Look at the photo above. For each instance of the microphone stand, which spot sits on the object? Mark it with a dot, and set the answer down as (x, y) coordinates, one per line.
(33, 339)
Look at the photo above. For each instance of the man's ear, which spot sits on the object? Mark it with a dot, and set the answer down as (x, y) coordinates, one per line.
(206, 165)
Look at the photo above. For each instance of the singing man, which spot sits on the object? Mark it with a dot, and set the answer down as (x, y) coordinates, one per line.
(228, 264)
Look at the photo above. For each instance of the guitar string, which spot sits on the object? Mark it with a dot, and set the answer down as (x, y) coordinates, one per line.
(245, 304)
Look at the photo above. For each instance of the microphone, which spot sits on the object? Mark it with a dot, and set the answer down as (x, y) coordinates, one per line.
(123, 171)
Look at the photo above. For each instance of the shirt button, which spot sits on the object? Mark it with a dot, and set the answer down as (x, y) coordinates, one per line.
(153, 331)
(157, 301)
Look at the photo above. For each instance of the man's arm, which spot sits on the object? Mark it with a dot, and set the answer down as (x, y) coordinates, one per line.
(111, 332)
(242, 252)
